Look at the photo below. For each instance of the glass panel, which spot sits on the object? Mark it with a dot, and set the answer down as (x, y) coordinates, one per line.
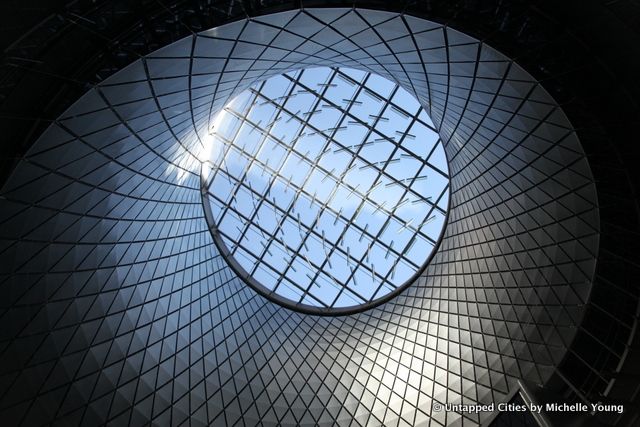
(325, 183)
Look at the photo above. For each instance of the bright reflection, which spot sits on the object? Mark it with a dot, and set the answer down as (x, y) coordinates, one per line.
(328, 187)
(186, 163)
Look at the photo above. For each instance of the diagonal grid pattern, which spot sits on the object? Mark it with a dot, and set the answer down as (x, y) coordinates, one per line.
(385, 140)
(118, 308)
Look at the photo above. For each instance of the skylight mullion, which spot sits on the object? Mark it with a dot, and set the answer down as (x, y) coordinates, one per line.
(224, 155)
(296, 253)
(277, 273)
(380, 172)
(347, 220)
(407, 188)
(372, 128)
(297, 245)
(275, 175)
(363, 197)
(329, 140)
(325, 206)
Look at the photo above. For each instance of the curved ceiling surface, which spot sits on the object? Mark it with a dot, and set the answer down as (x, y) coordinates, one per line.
(119, 308)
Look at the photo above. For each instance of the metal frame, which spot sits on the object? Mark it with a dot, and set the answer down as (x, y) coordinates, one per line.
(219, 168)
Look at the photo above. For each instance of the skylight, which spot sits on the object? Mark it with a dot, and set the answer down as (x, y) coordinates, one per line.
(327, 189)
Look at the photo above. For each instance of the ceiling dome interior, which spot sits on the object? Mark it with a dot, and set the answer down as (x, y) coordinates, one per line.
(112, 280)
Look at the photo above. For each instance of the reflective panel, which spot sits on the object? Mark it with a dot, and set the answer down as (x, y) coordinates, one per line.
(113, 289)
(326, 188)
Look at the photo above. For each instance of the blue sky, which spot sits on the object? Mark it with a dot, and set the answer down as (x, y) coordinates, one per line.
(328, 186)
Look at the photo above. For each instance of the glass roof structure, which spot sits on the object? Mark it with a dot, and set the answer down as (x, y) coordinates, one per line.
(326, 188)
